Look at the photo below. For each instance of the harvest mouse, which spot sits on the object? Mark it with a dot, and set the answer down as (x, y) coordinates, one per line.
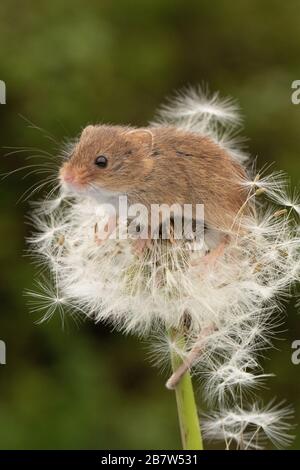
(158, 165)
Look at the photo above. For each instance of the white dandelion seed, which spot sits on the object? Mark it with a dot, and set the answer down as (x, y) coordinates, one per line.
(198, 104)
(47, 300)
(250, 428)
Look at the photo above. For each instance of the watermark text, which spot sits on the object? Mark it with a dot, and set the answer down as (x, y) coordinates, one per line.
(296, 354)
(2, 92)
(295, 96)
(2, 352)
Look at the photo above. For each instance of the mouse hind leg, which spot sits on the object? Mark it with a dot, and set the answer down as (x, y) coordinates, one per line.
(216, 243)
(213, 255)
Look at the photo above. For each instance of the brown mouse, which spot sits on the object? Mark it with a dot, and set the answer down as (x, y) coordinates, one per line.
(158, 165)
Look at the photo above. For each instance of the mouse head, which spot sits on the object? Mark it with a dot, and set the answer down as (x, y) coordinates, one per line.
(109, 158)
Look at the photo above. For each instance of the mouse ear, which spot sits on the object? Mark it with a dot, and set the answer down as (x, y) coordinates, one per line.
(86, 131)
(141, 137)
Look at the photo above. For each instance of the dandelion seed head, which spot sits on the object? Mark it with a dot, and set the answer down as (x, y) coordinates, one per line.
(237, 300)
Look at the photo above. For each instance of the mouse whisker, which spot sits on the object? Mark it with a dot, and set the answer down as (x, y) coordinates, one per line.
(16, 150)
(46, 134)
(34, 168)
(38, 171)
(17, 170)
(52, 191)
(36, 187)
(51, 162)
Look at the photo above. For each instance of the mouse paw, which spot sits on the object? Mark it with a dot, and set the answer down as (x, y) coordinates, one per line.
(140, 245)
(109, 227)
(211, 258)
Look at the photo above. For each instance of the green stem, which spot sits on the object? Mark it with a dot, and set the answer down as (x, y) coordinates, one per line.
(186, 405)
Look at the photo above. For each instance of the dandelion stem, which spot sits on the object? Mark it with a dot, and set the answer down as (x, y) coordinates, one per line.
(186, 405)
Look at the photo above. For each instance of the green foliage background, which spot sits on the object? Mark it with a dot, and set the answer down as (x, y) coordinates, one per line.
(69, 63)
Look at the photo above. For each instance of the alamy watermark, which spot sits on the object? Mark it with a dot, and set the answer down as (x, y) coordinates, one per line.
(2, 92)
(2, 352)
(137, 221)
(295, 96)
(296, 354)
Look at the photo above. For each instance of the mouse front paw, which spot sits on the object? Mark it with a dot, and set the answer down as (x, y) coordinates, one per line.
(140, 244)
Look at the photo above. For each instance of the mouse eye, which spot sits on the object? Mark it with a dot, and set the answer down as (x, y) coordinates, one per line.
(101, 161)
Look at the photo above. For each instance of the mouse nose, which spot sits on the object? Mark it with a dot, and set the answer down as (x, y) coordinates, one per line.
(67, 175)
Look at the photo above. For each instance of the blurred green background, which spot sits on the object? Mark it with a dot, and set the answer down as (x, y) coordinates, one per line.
(69, 63)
